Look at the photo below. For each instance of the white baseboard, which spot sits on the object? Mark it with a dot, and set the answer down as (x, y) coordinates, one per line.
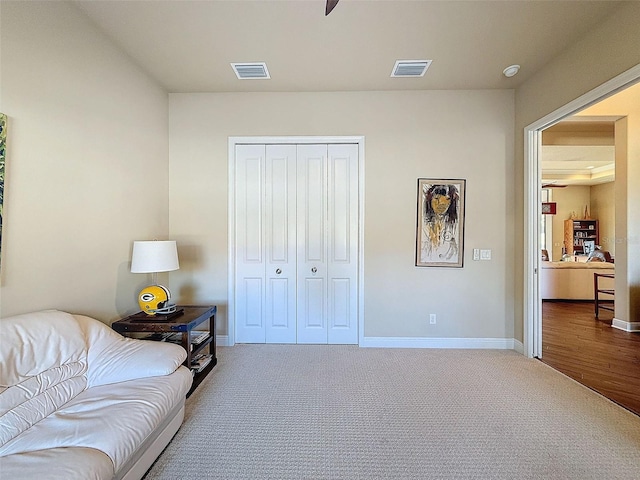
(626, 326)
(421, 342)
(518, 346)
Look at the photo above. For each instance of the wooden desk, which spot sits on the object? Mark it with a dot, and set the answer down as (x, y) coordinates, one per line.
(185, 323)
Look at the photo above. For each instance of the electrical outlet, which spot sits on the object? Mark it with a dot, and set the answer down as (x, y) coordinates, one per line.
(476, 254)
(432, 318)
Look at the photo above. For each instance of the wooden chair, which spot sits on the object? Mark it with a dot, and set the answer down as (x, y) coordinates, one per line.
(599, 303)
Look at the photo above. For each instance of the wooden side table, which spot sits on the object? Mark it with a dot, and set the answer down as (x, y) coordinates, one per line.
(185, 323)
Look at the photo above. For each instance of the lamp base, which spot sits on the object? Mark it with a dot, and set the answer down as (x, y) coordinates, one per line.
(145, 317)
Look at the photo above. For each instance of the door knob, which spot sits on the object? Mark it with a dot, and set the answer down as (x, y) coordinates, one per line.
(278, 271)
(314, 270)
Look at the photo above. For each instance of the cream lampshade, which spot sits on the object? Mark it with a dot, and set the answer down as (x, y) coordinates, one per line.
(153, 257)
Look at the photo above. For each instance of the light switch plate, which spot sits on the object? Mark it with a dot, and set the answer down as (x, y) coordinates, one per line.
(485, 254)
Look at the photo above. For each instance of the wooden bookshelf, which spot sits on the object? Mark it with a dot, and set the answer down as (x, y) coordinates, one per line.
(577, 231)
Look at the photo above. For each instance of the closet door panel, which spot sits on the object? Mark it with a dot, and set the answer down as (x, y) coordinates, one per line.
(249, 247)
(342, 264)
(340, 302)
(313, 204)
(312, 243)
(252, 305)
(279, 321)
(280, 246)
(314, 307)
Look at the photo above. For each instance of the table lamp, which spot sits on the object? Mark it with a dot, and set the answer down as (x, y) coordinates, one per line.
(153, 257)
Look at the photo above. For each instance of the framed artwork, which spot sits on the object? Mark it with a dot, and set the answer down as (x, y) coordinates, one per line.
(548, 208)
(440, 223)
(588, 247)
(3, 148)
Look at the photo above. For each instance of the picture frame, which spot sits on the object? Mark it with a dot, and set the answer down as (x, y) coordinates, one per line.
(588, 246)
(440, 222)
(548, 208)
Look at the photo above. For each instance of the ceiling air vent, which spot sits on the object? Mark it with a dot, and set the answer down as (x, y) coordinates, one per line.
(250, 71)
(410, 68)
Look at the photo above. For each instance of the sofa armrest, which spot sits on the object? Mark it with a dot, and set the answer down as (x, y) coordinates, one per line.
(113, 358)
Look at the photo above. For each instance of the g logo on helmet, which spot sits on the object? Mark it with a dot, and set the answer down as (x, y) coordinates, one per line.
(155, 300)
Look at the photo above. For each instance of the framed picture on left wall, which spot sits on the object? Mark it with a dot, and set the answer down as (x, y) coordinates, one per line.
(3, 149)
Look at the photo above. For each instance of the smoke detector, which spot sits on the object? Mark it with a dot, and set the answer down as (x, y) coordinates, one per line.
(511, 71)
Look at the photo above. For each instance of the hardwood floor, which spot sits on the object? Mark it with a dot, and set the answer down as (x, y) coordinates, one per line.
(591, 352)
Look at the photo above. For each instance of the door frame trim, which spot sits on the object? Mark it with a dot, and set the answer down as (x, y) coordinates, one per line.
(231, 210)
(532, 180)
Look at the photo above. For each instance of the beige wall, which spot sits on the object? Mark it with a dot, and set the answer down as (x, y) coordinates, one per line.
(605, 52)
(603, 207)
(442, 134)
(87, 174)
(86, 164)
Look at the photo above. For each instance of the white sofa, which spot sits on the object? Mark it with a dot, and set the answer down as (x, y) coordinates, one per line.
(79, 401)
(572, 280)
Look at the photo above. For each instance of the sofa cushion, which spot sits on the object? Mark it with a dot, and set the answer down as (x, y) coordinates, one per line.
(43, 365)
(113, 358)
(115, 419)
(38, 397)
(58, 464)
(35, 342)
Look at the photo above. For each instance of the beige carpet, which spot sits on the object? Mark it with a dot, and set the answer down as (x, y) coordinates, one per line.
(343, 412)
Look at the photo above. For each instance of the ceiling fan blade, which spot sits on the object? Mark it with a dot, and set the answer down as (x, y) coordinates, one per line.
(330, 6)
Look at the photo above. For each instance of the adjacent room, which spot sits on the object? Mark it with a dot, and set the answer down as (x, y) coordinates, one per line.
(579, 238)
(357, 239)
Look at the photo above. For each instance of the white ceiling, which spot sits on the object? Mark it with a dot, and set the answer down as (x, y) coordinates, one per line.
(187, 46)
(568, 164)
(577, 165)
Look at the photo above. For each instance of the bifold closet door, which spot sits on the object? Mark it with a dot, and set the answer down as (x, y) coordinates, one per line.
(327, 226)
(296, 241)
(265, 263)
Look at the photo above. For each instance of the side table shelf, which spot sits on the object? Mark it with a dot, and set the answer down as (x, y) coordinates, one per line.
(184, 326)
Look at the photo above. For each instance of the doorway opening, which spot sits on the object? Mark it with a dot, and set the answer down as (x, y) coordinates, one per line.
(533, 201)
